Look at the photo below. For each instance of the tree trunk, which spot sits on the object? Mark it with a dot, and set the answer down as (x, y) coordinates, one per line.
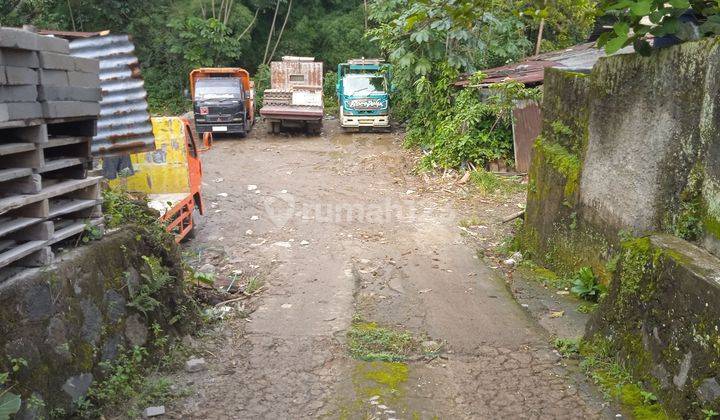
(272, 31)
(250, 25)
(280, 34)
(540, 36)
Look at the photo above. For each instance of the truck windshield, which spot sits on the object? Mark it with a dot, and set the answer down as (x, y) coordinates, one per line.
(218, 88)
(363, 84)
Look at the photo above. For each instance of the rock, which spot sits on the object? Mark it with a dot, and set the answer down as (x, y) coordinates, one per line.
(518, 256)
(304, 243)
(223, 195)
(510, 262)
(286, 305)
(195, 365)
(154, 411)
(37, 303)
(708, 391)
(135, 330)
(680, 379)
(92, 321)
(207, 268)
(249, 232)
(77, 386)
(283, 244)
(254, 217)
(252, 187)
(115, 304)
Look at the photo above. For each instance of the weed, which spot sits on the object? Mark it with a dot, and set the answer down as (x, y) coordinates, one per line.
(586, 285)
(467, 223)
(142, 300)
(253, 285)
(615, 381)
(488, 183)
(586, 308)
(367, 341)
(568, 347)
(205, 278)
(91, 233)
(709, 413)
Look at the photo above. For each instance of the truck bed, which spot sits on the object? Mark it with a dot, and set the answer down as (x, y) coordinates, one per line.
(292, 112)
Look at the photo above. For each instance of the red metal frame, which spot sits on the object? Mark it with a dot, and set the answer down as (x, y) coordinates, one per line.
(179, 218)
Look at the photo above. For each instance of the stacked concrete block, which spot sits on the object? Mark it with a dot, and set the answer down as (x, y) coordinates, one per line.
(64, 86)
(49, 105)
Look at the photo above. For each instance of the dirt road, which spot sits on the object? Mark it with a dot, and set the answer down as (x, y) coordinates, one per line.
(340, 229)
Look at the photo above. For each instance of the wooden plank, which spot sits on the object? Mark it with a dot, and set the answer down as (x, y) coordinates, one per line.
(61, 188)
(12, 148)
(61, 207)
(32, 158)
(14, 224)
(42, 231)
(21, 123)
(65, 141)
(67, 229)
(20, 251)
(31, 184)
(56, 164)
(14, 173)
(42, 257)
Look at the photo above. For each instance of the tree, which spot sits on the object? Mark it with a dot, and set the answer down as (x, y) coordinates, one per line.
(681, 19)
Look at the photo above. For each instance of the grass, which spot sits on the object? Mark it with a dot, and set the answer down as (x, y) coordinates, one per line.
(253, 285)
(488, 183)
(369, 342)
(568, 347)
(616, 382)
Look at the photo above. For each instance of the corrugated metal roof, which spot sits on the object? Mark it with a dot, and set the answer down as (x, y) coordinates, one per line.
(531, 70)
(124, 124)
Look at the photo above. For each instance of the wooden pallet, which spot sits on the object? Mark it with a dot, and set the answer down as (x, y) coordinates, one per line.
(46, 197)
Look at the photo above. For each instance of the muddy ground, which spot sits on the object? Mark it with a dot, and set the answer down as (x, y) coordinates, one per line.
(340, 227)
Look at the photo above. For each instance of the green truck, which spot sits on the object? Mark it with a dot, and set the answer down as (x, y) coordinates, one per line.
(363, 89)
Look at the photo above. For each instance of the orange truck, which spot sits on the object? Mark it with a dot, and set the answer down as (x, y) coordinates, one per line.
(170, 176)
(223, 100)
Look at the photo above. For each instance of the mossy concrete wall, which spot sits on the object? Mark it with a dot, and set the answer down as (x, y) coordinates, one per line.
(67, 319)
(663, 317)
(632, 150)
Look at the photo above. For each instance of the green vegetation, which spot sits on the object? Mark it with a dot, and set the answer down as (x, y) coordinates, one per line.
(253, 284)
(368, 341)
(431, 43)
(586, 285)
(665, 18)
(568, 347)
(602, 365)
(130, 383)
(143, 300)
(488, 183)
(566, 163)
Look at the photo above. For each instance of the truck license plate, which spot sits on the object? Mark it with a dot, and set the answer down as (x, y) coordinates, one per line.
(219, 128)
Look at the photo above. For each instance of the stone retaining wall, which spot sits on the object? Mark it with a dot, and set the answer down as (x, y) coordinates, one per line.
(66, 319)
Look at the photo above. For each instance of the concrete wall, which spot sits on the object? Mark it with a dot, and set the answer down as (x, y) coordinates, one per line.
(66, 319)
(633, 151)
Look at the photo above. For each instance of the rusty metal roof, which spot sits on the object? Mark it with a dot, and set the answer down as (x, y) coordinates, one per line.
(531, 70)
(293, 71)
(124, 124)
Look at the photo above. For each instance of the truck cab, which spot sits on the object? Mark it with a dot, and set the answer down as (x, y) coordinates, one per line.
(363, 94)
(222, 100)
